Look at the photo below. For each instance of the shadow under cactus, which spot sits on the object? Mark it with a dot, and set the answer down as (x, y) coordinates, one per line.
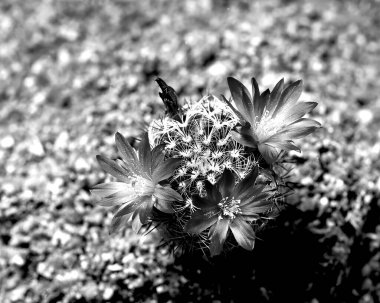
(289, 264)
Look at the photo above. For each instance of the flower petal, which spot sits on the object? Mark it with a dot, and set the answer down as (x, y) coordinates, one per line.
(305, 122)
(242, 120)
(213, 194)
(262, 102)
(284, 145)
(113, 168)
(255, 97)
(105, 189)
(298, 111)
(206, 203)
(242, 98)
(289, 97)
(145, 209)
(226, 183)
(167, 193)
(219, 236)
(261, 205)
(250, 192)
(165, 169)
(145, 154)
(243, 233)
(275, 97)
(247, 183)
(243, 139)
(200, 221)
(157, 155)
(253, 200)
(269, 153)
(117, 198)
(136, 223)
(130, 206)
(299, 129)
(164, 206)
(118, 222)
(127, 153)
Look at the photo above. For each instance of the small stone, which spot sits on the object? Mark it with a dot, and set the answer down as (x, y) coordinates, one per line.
(60, 237)
(108, 293)
(90, 291)
(365, 116)
(324, 201)
(307, 180)
(81, 165)
(107, 256)
(35, 147)
(17, 260)
(115, 267)
(18, 294)
(218, 69)
(45, 270)
(62, 141)
(160, 289)
(139, 282)
(7, 142)
(9, 188)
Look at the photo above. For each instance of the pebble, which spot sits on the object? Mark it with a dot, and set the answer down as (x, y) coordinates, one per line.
(60, 238)
(108, 293)
(81, 165)
(9, 188)
(115, 267)
(45, 270)
(324, 201)
(218, 69)
(18, 294)
(36, 148)
(7, 142)
(17, 260)
(365, 116)
(70, 276)
(61, 142)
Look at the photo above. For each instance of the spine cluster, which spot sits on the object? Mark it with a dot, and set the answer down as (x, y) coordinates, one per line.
(203, 140)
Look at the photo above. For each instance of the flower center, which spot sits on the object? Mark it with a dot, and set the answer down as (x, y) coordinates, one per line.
(230, 208)
(267, 126)
(141, 185)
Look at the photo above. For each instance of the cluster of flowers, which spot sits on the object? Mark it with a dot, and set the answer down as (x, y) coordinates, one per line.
(209, 167)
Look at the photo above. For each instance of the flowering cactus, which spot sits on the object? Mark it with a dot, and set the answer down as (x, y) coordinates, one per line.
(207, 168)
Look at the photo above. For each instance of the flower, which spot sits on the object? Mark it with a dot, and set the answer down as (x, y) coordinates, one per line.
(139, 175)
(271, 120)
(201, 137)
(230, 207)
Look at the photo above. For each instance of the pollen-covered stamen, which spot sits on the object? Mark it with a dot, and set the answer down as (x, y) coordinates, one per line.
(230, 208)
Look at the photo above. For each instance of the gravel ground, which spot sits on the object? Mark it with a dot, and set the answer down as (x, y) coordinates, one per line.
(72, 73)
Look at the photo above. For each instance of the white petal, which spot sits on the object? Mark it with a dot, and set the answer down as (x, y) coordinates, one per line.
(105, 189)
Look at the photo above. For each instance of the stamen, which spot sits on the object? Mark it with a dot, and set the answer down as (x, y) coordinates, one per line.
(230, 208)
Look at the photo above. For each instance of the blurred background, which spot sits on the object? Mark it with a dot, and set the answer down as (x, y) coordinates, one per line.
(73, 72)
